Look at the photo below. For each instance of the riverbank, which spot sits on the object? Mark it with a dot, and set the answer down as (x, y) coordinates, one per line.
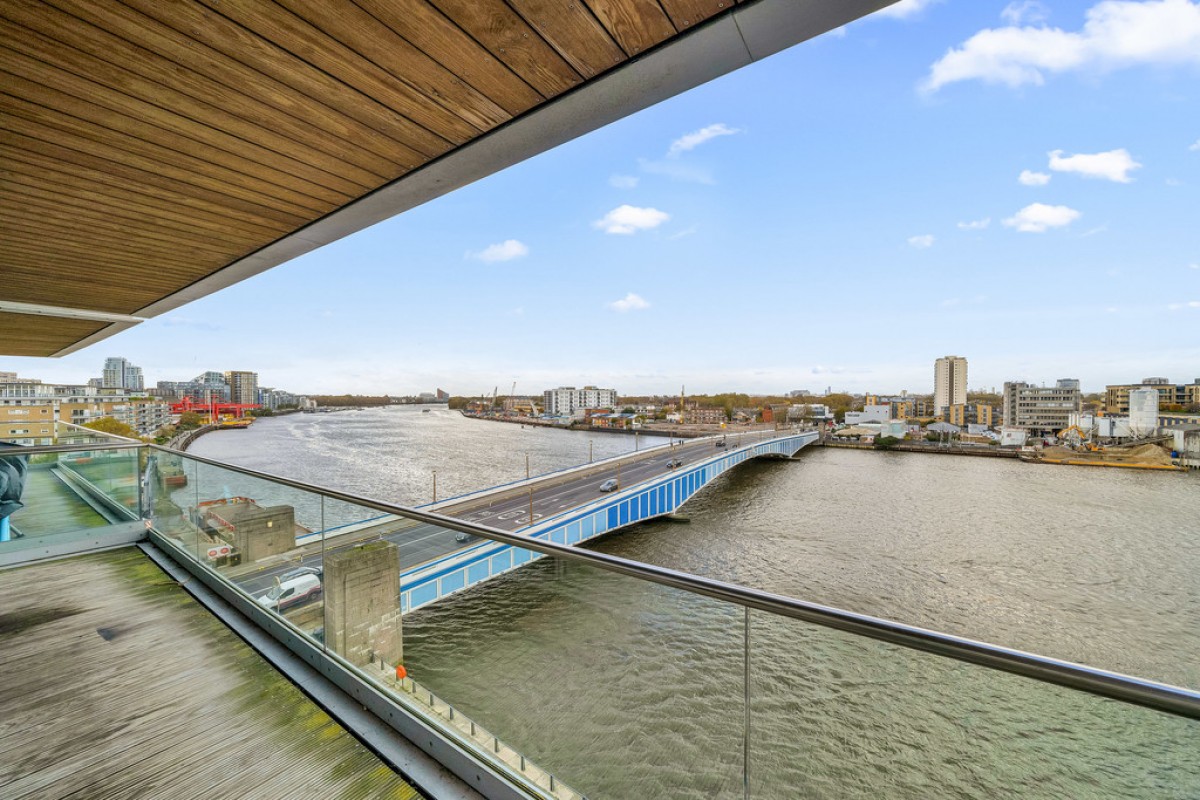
(670, 431)
(913, 447)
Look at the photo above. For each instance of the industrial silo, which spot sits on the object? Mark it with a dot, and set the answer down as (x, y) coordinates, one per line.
(1143, 412)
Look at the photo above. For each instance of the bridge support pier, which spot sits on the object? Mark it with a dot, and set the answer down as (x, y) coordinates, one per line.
(362, 604)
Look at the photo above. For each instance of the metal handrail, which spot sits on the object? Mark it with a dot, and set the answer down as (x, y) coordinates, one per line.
(1113, 685)
(34, 450)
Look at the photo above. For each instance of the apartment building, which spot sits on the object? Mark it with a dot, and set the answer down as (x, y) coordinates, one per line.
(32, 424)
(704, 416)
(1040, 410)
(569, 401)
(243, 387)
(965, 414)
(949, 383)
(1116, 397)
(119, 373)
(24, 407)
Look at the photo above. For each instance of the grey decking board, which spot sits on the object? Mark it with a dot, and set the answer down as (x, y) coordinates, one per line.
(175, 705)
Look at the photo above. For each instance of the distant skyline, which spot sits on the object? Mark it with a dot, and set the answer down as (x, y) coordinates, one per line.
(1014, 182)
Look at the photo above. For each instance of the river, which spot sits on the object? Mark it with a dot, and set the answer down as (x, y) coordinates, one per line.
(630, 690)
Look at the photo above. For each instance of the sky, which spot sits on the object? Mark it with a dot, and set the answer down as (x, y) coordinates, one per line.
(1013, 182)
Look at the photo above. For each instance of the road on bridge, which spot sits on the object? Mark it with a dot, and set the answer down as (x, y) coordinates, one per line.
(552, 495)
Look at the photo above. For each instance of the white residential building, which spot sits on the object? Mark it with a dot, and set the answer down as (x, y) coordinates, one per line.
(569, 401)
(120, 374)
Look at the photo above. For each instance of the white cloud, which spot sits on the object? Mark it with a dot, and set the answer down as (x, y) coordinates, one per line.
(1030, 178)
(504, 251)
(1117, 33)
(1021, 11)
(1194, 266)
(1178, 306)
(921, 242)
(630, 302)
(1195, 146)
(1114, 165)
(1039, 217)
(681, 234)
(624, 181)
(905, 8)
(1093, 231)
(626, 219)
(690, 141)
(975, 225)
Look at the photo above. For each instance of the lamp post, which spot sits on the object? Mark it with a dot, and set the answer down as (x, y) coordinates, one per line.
(527, 466)
(531, 506)
(589, 451)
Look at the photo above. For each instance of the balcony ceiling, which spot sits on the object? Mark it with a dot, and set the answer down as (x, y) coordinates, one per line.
(152, 152)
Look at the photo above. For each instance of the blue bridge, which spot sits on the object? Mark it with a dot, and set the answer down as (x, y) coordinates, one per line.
(656, 496)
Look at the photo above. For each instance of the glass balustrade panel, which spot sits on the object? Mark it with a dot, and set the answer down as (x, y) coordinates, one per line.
(841, 716)
(616, 686)
(47, 496)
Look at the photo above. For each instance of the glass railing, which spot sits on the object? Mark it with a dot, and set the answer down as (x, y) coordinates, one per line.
(573, 673)
(67, 492)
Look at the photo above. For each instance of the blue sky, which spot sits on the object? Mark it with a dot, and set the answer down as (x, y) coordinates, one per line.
(1017, 183)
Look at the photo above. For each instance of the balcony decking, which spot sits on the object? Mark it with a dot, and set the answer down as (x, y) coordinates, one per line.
(52, 507)
(117, 684)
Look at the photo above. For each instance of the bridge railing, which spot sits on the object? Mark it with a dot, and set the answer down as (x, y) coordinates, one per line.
(622, 679)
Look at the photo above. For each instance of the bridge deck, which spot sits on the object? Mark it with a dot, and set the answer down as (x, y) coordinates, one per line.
(116, 684)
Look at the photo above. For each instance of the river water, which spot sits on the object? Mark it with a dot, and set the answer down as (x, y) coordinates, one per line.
(628, 690)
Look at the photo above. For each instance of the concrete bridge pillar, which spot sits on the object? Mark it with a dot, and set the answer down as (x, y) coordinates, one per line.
(362, 603)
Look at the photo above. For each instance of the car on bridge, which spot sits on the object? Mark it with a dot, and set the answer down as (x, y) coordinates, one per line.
(674, 463)
(610, 485)
(291, 592)
(719, 443)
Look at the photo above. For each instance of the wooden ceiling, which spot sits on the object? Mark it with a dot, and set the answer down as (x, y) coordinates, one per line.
(148, 144)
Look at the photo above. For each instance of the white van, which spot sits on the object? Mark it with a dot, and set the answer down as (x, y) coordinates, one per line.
(290, 592)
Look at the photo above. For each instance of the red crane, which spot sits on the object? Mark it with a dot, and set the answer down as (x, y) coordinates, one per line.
(214, 408)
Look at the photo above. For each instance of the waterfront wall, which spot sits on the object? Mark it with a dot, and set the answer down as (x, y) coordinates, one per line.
(987, 452)
(183, 441)
(664, 495)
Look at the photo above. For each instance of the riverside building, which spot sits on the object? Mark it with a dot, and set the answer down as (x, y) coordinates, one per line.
(1116, 397)
(1040, 410)
(949, 383)
(567, 401)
